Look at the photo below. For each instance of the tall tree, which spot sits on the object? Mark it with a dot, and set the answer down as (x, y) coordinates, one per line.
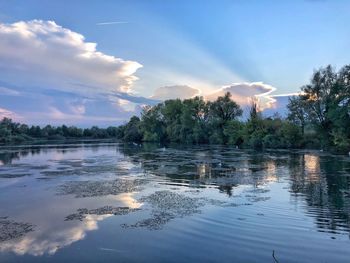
(225, 109)
(221, 111)
(319, 95)
(296, 112)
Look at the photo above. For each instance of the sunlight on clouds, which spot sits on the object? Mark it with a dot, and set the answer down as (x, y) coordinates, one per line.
(243, 92)
(175, 92)
(8, 114)
(52, 233)
(53, 57)
(38, 243)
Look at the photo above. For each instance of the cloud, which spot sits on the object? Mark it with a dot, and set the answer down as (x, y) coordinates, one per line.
(243, 92)
(52, 67)
(136, 99)
(111, 23)
(8, 92)
(49, 55)
(175, 92)
(278, 103)
(51, 233)
(4, 113)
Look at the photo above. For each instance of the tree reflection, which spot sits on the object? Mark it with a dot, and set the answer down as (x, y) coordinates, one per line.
(323, 182)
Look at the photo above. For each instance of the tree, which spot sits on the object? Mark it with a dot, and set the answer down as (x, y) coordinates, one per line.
(297, 112)
(318, 96)
(132, 130)
(152, 125)
(221, 111)
(171, 112)
(224, 109)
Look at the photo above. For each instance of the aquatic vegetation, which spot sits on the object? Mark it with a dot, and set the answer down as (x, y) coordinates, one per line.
(100, 188)
(10, 229)
(105, 210)
(167, 205)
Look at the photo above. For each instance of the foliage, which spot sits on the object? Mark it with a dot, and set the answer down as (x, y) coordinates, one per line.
(324, 105)
(13, 132)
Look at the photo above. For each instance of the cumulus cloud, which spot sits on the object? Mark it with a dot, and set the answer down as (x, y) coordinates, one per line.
(52, 67)
(242, 93)
(278, 103)
(175, 92)
(48, 54)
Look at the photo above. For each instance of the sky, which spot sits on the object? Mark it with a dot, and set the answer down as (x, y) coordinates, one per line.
(89, 63)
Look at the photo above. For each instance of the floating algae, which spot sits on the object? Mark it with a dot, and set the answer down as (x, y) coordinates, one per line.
(167, 205)
(105, 210)
(100, 188)
(10, 229)
(156, 222)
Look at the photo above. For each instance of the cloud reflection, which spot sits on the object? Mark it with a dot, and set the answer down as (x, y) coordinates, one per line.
(53, 233)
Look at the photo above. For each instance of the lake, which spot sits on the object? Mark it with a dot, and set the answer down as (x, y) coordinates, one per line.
(110, 202)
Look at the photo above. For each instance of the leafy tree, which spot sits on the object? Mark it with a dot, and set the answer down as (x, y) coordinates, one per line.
(132, 130)
(318, 97)
(221, 111)
(224, 109)
(152, 125)
(297, 113)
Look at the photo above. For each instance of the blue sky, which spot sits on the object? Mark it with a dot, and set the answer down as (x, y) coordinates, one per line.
(161, 50)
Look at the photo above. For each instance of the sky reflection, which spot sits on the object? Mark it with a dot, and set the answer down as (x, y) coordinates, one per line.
(165, 187)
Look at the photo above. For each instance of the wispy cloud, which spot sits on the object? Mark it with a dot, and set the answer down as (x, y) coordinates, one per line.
(111, 23)
(8, 92)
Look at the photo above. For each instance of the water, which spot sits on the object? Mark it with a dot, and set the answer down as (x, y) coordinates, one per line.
(112, 202)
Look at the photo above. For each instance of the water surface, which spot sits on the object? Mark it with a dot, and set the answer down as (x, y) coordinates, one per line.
(113, 202)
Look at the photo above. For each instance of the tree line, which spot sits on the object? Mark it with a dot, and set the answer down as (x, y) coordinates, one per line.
(14, 132)
(318, 117)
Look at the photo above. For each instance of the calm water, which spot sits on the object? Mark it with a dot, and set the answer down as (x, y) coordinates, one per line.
(126, 203)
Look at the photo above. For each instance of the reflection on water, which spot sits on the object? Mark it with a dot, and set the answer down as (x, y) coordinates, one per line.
(104, 196)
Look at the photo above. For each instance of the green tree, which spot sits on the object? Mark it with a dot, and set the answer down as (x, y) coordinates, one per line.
(221, 111)
(297, 112)
(152, 125)
(132, 130)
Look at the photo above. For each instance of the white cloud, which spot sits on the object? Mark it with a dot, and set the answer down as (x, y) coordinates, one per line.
(57, 69)
(243, 92)
(278, 103)
(51, 233)
(175, 92)
(47, 55)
